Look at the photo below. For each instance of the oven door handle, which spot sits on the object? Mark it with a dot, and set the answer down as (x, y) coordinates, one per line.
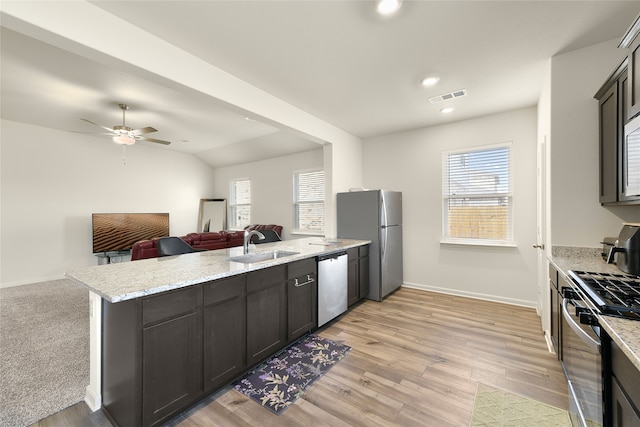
(595, 345)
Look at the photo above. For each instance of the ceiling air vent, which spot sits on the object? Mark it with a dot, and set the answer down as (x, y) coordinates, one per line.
(447, 96)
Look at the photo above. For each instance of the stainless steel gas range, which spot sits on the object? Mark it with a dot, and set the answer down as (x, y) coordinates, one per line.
(592, 294)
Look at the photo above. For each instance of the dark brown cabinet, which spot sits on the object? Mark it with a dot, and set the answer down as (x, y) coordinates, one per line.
(266, 313)
(171, 373)
(353, 271)
(612, 107)
(633, 90)
(152, 356)
(171, 353)
(358, 273)
(618, 103)
(224, 320)
(363, 270)
(625, 390)
(556, 312)
(302, 298)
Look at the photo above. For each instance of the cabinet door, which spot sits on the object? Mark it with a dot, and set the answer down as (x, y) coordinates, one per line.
(609, 131)
(224, 342)
(623, 414)
(224, 331)
(625, 389)
(266, 313)
(171, 367)
(363, 274)
(634, 79)
(554, 314)
(302, 301)
(352, 281)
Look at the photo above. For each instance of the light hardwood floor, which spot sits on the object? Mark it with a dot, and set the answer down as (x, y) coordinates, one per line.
(416, 360)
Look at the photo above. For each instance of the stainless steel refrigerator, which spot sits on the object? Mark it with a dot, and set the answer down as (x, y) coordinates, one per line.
(375, 215)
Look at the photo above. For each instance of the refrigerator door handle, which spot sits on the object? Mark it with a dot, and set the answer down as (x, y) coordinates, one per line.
(383, 209)
(383, 243)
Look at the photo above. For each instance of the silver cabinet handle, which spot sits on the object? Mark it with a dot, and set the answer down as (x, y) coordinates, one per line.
(308, 282)
(539, 246)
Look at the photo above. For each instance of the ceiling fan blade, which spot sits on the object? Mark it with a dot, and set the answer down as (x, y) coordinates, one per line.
(142, 131)
(157, 141)
(92, 133)
(99, 125)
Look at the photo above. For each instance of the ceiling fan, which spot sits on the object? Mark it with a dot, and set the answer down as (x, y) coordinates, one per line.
(124, 135)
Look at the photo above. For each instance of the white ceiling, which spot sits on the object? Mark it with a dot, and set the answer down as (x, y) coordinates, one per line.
(336, 60)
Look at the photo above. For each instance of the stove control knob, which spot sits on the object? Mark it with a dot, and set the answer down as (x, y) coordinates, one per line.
(587, 318)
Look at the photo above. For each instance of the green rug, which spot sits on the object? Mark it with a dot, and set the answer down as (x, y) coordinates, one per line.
(495, 407)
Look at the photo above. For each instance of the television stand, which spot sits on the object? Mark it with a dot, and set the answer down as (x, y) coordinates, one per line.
(113, 257)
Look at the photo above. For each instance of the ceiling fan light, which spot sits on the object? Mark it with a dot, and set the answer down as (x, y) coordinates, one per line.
(124, 140)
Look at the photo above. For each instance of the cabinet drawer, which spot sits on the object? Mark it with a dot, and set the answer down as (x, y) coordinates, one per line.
(626, 373)
(170, 304)
(352, 253)
(223, 290)
(265, 278)
(363, 251)
(301, 268)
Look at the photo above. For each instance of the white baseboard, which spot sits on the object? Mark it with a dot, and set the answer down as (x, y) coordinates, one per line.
(93, 401)
(549, 343)
(475, 295)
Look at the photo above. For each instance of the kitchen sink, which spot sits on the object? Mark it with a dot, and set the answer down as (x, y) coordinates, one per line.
(261, 256)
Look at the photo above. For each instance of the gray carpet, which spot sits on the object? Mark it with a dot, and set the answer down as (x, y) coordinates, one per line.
(44, 350)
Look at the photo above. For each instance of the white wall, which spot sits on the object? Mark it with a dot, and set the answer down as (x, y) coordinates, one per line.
(51, 182)
(411, 162)
(577, 219)
(271, 186)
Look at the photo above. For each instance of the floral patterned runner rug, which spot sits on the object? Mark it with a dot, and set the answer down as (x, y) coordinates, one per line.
(278, 382)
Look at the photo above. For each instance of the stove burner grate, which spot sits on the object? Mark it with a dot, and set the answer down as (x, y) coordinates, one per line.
(614, 294)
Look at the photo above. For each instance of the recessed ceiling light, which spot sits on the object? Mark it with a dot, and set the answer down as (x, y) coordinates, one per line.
(446, 110)
(388, 7)
(430, 81)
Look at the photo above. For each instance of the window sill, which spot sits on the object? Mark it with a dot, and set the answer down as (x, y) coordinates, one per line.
(470, 242)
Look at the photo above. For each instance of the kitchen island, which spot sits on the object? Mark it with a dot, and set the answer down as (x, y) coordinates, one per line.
(166, 332)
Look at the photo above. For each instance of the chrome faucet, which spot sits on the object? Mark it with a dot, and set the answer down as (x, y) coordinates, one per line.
(247, 238)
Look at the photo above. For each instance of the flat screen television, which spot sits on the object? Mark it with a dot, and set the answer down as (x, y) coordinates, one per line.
(114, 232)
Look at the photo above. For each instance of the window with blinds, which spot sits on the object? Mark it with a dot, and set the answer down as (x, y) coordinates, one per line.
(477, 196)
(308, 202)
(240, 203)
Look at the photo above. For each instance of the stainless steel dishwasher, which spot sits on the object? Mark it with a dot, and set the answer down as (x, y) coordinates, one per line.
(332, 286)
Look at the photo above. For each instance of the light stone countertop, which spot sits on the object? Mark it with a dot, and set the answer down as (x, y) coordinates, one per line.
(625, 332)
(129, 280)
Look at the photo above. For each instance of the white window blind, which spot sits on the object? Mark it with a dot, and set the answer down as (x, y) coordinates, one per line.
(240, 203)
(308, 202)
(477, 196)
